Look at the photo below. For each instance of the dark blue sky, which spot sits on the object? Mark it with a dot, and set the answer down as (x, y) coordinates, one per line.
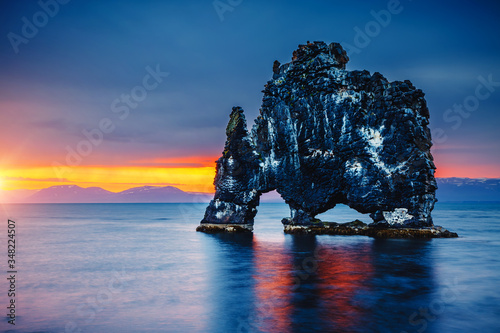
(64, 79)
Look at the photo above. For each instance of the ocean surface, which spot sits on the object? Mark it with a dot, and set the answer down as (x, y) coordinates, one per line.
(143, 268)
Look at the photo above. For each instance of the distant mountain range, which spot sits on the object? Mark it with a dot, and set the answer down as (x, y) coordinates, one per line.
(450, 190)
(467, 189)
(77, 194)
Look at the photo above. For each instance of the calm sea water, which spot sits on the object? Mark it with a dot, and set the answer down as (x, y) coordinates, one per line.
(143, 268)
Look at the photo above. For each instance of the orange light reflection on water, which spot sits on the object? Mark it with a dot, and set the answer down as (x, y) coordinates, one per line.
(337, 275)
(273, 284)
(344, 272)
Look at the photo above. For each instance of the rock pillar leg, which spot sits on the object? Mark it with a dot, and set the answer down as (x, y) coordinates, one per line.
(236, 198)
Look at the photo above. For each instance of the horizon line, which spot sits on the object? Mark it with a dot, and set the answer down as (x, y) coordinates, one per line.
(192, 192)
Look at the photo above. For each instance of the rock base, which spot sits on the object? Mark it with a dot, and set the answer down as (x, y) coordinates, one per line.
(362, 229)
(212, 228)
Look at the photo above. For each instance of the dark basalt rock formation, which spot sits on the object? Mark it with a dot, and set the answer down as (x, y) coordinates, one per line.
(325, 136)
(361, 229)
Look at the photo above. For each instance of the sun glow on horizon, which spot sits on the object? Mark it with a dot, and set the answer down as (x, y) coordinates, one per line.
(114, 178)
(188, 174)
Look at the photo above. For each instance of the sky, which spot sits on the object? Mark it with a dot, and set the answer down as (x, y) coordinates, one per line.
(119, 94)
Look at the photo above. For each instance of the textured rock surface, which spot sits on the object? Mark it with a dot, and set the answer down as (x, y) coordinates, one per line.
(376, 231)
(324, 136)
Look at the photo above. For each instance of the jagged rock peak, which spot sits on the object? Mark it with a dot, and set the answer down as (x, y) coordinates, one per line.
(309, 51)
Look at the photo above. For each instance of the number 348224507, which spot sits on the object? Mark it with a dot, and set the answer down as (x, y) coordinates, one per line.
(11, 247)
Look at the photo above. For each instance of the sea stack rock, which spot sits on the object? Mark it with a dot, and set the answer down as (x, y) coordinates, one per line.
(326, 136)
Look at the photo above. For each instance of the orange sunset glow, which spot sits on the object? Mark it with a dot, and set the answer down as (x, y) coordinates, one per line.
(467, 171)
(114, 178)
(191, 174)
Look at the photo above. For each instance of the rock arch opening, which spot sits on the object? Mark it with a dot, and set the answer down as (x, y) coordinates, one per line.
(343, 214)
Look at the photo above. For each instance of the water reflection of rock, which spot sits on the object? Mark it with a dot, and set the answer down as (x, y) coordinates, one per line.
(403, 285)
(329, 281)
(231, 280)
(310, 283)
